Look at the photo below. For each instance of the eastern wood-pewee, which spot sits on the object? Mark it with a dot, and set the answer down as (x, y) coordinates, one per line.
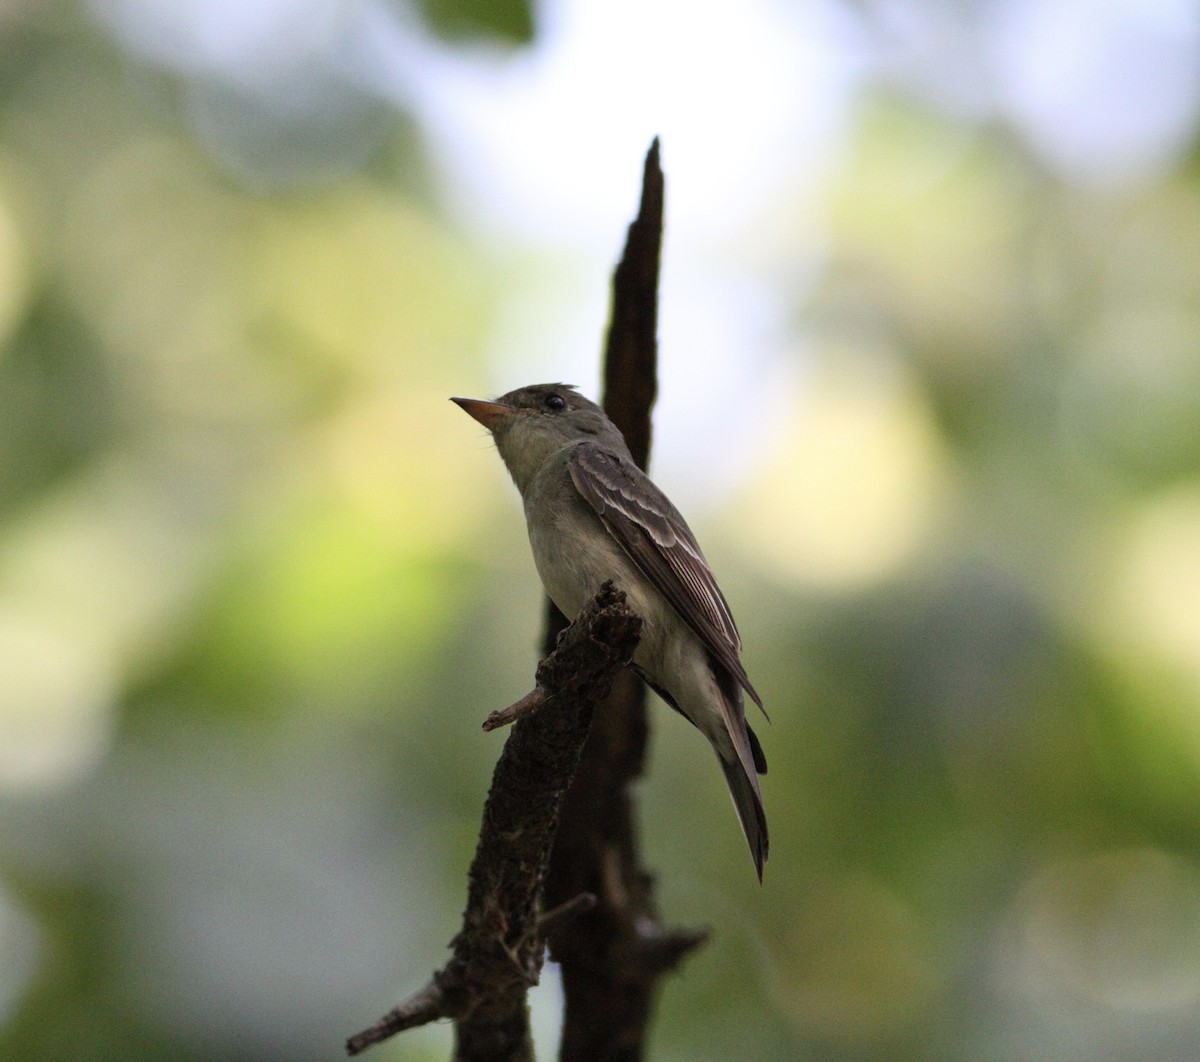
(594, 516)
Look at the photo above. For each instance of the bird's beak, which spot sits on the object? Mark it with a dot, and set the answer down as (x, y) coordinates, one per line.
(491, 415)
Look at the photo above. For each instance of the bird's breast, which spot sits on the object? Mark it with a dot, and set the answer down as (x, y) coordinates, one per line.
(575, 555)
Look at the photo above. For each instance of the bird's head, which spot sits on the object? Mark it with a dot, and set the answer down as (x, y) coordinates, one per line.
(533, 423)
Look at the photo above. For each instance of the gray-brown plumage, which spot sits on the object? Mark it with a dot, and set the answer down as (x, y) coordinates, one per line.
(594, 516)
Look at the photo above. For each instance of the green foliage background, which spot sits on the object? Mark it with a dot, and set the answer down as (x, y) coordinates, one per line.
(260, 582)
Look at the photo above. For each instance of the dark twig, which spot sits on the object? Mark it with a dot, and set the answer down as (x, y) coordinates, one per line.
(532, 702)
(553, 921)
(614, 957)
(423, 1006)
(497, 954)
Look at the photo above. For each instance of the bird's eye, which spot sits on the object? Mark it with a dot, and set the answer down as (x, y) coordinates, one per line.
(554, 403)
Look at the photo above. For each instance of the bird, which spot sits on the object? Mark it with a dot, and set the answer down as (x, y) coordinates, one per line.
(594, 516)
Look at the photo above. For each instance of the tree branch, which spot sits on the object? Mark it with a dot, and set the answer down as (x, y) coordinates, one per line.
(497, 954)
(614, 957)
(631, 347)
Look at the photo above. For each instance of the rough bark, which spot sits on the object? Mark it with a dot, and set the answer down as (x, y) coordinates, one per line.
(498, 952)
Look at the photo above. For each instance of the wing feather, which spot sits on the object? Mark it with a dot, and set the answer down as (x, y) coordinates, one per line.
(658, 540)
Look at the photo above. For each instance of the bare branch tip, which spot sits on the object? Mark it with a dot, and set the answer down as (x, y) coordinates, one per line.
(533, 702)
(422, 1007)
(564, 913)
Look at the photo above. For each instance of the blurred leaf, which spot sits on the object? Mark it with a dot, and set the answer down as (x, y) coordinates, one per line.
(56, 403)
(503, 21)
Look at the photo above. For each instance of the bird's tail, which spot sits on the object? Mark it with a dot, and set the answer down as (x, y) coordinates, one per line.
(747, 800)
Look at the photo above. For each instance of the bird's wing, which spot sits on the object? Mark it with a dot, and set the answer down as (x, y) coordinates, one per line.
(650, 529)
